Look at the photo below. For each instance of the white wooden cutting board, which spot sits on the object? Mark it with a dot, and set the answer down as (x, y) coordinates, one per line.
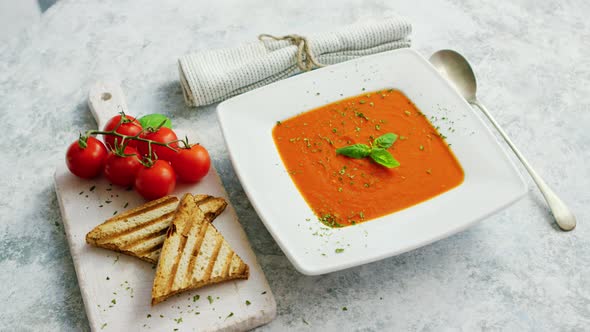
(117, 288)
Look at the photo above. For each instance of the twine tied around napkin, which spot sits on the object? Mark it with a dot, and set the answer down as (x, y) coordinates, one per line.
(211, 76)
(305, 59)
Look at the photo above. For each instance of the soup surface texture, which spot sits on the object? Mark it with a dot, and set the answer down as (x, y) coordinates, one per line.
(345, 191)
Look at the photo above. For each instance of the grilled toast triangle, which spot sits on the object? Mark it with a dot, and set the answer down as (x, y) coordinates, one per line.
(194, 255)
(140, 232)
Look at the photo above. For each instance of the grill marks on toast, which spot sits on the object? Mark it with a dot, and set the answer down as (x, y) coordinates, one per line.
(133, 219)
(145, 208)
(228, 259)
(185, 225)
(194, 255)
(195, 250)
(141, 231)
(148, 245)
(212, 260)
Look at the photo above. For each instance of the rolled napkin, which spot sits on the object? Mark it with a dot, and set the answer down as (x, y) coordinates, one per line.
(214, 75)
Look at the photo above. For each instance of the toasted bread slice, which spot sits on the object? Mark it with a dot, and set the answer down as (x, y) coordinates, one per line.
(194, 255)
(141, 231)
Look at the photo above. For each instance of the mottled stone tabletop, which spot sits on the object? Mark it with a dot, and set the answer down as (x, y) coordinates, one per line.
(514, 271)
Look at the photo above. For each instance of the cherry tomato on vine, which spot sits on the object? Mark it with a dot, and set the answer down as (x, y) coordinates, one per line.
(129, 127)
(121, 170)
(191, 165)
(162, 135)
(155, 181)
(86, 161)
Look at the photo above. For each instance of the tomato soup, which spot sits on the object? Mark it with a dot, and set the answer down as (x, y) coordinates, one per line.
(345, 191)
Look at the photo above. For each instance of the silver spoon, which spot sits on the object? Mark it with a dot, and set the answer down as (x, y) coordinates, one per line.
(457, 70)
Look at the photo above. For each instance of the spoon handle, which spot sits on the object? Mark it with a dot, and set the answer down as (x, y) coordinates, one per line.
(563, 216)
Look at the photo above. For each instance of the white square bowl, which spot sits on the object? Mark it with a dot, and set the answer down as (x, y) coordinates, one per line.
(491, 180)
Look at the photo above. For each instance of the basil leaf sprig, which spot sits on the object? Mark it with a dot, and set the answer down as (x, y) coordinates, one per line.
(383, 157)
(378, 151)
(385, 141)
(155, 121)
(356, 151)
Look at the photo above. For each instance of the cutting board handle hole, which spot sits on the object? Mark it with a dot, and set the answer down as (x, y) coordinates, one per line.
(106, 96)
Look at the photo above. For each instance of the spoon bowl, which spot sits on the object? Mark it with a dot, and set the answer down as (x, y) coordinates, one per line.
(456, 69)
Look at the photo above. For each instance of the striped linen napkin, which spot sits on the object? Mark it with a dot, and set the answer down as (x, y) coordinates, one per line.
(214, 75)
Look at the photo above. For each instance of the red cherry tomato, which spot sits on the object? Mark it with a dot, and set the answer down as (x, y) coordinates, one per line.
(122, 170)
(156, 181)
(129, 127)
(192, 164)
(163, 135)
(86, 162)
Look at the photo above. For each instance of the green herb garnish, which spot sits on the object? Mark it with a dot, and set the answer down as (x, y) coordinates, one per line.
(385, 141)
(377, 152)
(329, 220)
(361, 115)
(383, 157)
(248, 302)
(342, 170)
(356, 151)
(339, 250)
(210, 299)
(155, 121)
